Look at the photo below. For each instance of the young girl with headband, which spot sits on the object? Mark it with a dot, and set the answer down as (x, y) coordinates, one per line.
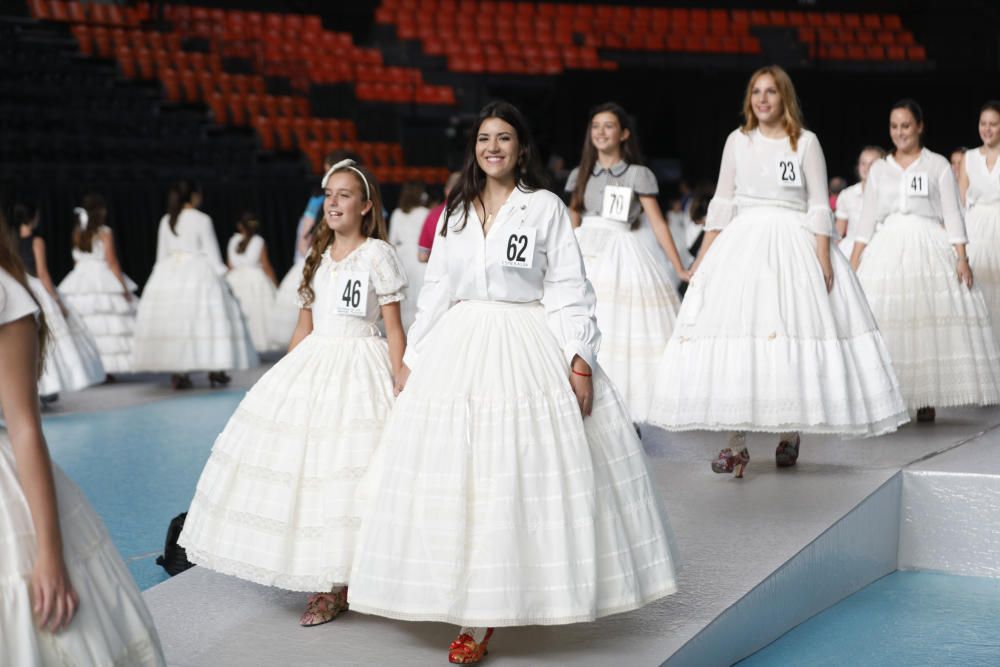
(276, 501)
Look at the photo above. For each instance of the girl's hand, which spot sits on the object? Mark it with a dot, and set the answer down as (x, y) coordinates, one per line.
(964, 271)
(54, 600)
(684, 275)
(581, 380)
(827, 267)
(399, 381)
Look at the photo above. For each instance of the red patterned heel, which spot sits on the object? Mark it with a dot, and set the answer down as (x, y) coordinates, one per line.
(323, 608)
(729, 461)
(465, 650)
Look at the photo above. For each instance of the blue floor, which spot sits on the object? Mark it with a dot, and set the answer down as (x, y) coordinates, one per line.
(906, 618)
(139, 467)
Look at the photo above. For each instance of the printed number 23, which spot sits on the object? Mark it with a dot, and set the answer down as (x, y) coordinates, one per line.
(352, 294)
(787, 171)
(516, 245)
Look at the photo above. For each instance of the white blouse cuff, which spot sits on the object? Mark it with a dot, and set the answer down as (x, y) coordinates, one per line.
(955, 240)
(820, 220)
(720, 213)
(392, 297)
(576, 347)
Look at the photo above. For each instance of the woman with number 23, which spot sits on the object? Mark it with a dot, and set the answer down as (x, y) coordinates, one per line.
(774, 333)
(510, 487)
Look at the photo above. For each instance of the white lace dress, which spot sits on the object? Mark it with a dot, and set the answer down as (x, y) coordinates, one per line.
(253, 289)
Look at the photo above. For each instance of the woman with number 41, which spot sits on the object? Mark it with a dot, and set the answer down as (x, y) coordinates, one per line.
(774, 333)
(916, 274)
(636, 302)
(513, 489)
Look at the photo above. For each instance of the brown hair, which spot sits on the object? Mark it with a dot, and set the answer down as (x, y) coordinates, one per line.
(247, 225)
(411, 196)
(372, 226)
(588, 157)
(182, 192)
(11, 263)
(791, 118)
(97, 217)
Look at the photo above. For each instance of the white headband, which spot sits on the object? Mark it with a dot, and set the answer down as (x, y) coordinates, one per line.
(81, 214)
(347, 164)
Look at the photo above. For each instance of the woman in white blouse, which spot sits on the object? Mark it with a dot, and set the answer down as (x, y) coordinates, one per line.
(774, 333)
(979, 185)
(850, 199)
(513, 489)
(188, 319)
(917, 277)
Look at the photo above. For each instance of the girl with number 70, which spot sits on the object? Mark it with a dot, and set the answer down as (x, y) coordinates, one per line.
(276, 503)
(511, 487)
(916, 274)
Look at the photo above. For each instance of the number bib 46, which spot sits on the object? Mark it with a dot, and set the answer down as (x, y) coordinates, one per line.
(916, 184)
(351, 293)
(789, 172)
(518, 248)
(617, 202)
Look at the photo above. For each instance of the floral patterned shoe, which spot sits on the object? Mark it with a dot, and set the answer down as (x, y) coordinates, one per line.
(323, 608)
(465, 650)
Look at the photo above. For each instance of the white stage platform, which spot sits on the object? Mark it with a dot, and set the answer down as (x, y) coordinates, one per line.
(759, 556)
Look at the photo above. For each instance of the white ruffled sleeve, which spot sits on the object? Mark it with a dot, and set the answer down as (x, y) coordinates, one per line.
(435, 297)
(571, 181)
(388, 275)
(567, 295)
(819, 218)
(209, 244)
(862, 230)
(951, 207)
(722, 208)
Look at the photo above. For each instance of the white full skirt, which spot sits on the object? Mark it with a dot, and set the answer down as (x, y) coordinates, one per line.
(72, 360)
(761, 346)
(495, 503)
(982, 224)
(188, 320)
(276, 502)
(92, 290)
(285, 312)
(112, 625)
(636, 308)
(255, 293)
(938, 331)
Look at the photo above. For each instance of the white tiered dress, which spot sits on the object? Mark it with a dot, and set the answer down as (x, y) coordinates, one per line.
(112, 625)
(495, 503)
(404, 234)
(285, 311)
(759, 344)
(938, 331)
(276, 501)
(72, 359)
(92, 290)
(849, 203)
(188, 319)
(982, 223)
(636, 300)
(253, 289)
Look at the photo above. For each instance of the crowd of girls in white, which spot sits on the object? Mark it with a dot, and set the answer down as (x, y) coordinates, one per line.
(482, 467)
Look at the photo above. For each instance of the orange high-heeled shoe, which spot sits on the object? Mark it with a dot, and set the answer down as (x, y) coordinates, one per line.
(787, 453)
(464, 650)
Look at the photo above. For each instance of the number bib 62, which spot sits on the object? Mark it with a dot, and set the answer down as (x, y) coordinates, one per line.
(351, 293)
(788, 171)
(518, 249)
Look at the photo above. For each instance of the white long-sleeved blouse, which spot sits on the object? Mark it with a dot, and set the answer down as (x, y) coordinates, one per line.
(926, 188)
(195, 235)
(466, 265)
(758, 171)
(249, 257)
(984, 184)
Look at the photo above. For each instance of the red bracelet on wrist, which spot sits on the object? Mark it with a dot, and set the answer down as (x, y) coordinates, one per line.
(576, 372)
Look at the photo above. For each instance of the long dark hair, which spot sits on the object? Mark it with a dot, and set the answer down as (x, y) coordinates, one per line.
(96, 210)
(372, 226)
(910, 105)
(247, 226)
(11, 263)
(182, 192)
(528, 172)
(411, 196)
(631, 153)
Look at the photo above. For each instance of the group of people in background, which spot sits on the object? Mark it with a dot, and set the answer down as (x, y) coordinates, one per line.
(455, 430)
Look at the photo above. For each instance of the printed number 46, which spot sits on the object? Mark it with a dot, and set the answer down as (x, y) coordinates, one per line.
(516, 245)
(352, 294)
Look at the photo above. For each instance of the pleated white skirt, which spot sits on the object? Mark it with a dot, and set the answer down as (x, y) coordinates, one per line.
(761, 346)
(285, 312)
(636, 308)
(112, 625)
(72, 360)
(982, 224)
(494, 502)
(255, 293)
(938, 331)
(92, 290)
(188, 320)
(276, 501)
